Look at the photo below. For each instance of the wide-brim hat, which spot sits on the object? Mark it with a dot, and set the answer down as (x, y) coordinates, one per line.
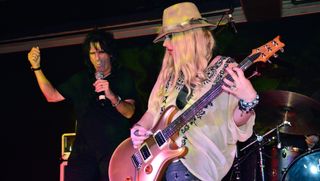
(181, 17)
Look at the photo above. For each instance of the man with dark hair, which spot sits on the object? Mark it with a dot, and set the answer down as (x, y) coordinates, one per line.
(103, 97)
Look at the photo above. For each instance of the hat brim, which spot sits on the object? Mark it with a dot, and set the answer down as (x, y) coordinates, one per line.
(161, 36)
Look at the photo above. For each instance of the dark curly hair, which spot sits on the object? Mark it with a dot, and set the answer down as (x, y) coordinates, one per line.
(106, 41)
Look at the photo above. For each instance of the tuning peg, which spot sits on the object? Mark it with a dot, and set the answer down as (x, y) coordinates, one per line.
(269, 49)
(274, 43)
(281, 50)
(269, 61)
(275, 55)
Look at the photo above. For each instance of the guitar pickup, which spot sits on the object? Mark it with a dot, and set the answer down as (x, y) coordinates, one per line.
(145, 152)
(159, 138)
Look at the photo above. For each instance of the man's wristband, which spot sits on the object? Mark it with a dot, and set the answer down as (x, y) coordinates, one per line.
(35, 69)
(119, 101)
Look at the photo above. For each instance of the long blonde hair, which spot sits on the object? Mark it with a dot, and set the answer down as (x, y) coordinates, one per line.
(192, 52)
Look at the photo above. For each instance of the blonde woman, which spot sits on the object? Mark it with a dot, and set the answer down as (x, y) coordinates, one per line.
(210, 129)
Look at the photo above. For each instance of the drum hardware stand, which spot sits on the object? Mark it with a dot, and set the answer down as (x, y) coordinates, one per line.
(261, 161)
(238, 160)
(261, 144)
(278, 138)
(236, 167)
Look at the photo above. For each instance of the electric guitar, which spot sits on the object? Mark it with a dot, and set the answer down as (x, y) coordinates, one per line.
(148, 162)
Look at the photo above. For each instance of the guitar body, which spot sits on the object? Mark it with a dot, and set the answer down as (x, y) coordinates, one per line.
(121, 167)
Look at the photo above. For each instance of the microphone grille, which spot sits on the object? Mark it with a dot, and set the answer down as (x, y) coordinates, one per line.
(99, 75)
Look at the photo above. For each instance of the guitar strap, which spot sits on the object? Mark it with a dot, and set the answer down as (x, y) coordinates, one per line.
(182, 99)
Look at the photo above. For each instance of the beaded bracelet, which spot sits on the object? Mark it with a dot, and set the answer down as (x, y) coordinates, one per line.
(248, 106)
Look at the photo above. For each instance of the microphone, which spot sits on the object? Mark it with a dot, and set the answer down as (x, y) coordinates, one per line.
(232, 23)
(101, 96)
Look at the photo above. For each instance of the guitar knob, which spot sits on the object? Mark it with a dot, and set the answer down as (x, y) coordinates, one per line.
(275, 55)
(148, 169)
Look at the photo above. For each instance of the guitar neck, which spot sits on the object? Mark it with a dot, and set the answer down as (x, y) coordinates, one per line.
(203, 101)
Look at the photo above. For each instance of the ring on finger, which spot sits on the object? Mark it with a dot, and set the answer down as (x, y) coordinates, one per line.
(136, 132)
(233, 87)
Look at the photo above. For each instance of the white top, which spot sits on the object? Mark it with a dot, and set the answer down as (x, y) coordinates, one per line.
(212, 136)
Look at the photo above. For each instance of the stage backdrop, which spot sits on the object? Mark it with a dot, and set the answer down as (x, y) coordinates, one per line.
(31, 128)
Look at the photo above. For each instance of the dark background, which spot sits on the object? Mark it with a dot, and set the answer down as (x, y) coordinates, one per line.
(31, 128)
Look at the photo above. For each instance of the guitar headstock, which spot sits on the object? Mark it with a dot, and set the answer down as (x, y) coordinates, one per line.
(267, 50)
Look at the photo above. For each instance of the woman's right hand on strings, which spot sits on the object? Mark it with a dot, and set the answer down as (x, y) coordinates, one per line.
(138, 134)
(34, 57)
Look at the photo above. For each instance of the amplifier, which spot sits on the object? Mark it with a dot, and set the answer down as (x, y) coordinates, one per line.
(67, 140)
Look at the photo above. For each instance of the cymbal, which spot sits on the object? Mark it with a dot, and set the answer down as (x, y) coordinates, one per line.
(277, 106)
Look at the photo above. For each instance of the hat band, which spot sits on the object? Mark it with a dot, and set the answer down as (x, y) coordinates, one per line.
(185, 24)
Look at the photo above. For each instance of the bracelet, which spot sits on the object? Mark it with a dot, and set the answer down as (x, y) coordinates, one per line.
(248, 106)
(116, 104)
(35, 69)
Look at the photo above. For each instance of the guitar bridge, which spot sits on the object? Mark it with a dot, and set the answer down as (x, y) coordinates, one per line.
(136, 160)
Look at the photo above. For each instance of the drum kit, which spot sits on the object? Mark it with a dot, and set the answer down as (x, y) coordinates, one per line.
(285, 142)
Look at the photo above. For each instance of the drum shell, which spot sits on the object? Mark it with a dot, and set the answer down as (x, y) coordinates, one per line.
(277, 161)
(305, 167)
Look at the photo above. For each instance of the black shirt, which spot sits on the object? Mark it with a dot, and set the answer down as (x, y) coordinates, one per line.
(100, 129)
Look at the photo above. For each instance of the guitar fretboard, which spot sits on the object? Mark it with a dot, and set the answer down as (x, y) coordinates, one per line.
(203, 101)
